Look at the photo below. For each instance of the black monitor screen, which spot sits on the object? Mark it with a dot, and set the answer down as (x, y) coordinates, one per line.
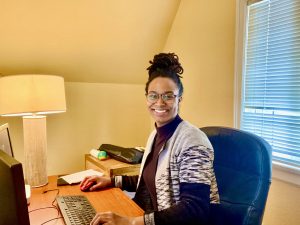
(13, 210)
(5, 142)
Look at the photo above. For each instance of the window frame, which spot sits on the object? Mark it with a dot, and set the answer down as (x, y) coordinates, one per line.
(280, 171)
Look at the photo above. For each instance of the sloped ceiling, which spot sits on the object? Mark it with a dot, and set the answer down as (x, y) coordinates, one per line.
(105, 41)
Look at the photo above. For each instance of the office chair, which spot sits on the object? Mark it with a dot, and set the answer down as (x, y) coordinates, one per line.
(242, 165)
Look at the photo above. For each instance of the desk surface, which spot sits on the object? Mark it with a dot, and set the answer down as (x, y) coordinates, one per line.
(112, 199)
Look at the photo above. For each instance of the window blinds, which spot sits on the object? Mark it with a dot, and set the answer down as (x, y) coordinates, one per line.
(271, 78)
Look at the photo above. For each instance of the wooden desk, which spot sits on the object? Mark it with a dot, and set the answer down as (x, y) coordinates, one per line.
(112, 199)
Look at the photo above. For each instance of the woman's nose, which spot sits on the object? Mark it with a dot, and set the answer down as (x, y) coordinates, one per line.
(160, 101)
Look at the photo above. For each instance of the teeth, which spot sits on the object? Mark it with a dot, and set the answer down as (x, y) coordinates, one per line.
(160, 110)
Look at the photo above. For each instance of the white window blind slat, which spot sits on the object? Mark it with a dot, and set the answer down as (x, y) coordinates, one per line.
(271, 78)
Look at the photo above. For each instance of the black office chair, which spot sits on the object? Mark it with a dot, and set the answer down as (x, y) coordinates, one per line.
(243, 171)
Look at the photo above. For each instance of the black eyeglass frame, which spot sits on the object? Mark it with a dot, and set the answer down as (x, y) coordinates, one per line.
(165, 97)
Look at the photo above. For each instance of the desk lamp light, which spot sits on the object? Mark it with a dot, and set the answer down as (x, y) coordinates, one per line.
(33, 97)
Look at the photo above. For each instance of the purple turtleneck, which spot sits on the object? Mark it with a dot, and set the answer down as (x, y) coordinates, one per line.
(162, 136)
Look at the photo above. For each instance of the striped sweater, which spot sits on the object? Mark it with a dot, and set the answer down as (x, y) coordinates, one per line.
(185, 160)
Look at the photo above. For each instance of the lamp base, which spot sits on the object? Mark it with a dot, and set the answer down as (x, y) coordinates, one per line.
(35, 150)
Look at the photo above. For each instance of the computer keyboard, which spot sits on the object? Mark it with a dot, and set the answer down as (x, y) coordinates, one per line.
(76, 209)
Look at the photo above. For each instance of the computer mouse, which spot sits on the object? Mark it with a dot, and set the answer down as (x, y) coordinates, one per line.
(87, 186)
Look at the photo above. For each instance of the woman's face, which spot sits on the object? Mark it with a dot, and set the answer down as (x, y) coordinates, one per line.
(163, 111)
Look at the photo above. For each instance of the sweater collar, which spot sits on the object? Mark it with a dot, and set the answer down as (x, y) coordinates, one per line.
(169, 128)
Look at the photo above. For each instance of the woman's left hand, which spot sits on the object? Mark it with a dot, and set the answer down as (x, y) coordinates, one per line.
(115, 219)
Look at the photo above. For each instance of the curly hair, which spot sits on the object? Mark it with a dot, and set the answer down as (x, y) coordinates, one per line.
(165, 65)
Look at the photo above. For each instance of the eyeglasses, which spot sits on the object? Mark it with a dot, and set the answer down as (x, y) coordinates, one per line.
(153, 97)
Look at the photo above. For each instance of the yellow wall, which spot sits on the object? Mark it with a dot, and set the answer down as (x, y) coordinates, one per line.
(203, 36)
(283, 205)
(83, 40)
(96, 114)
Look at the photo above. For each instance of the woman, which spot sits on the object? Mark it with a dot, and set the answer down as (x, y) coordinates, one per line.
(177, 183)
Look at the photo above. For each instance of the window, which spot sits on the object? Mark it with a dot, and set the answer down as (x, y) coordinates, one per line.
(270, 81)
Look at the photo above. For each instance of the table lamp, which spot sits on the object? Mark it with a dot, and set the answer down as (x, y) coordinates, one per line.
(33, 96)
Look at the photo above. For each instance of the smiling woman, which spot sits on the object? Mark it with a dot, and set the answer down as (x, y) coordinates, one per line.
(177, 184)
(163, 107)
(164, 81)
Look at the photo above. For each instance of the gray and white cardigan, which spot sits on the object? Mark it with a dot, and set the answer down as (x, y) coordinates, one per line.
(187, 157)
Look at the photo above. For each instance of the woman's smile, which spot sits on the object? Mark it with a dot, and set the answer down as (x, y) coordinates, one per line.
(163, 111)
(160, 111)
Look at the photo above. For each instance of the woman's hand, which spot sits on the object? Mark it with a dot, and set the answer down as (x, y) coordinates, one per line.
(98, 182)
(115, 219)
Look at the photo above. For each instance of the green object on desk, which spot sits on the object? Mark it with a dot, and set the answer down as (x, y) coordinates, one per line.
(102, 155)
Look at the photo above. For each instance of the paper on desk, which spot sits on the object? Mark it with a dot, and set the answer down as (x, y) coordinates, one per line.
(78, 177)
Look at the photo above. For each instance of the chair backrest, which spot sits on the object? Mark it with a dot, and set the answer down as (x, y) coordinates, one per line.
(242, 166)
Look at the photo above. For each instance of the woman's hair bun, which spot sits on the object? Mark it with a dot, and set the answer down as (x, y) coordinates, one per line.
(165, 62)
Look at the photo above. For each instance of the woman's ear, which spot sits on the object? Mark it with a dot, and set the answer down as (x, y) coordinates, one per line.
(180, 99)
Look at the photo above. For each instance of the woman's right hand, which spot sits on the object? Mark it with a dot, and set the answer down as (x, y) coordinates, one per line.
(98, 182)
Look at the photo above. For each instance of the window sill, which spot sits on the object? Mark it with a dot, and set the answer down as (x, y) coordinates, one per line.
(286, 173)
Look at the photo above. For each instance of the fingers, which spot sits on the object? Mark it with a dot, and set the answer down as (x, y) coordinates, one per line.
(102, 182)
(96, 186)
(96, 219)
(84, 181)
(102, 218)
(87, 180)
(98, 182)
(112, 219)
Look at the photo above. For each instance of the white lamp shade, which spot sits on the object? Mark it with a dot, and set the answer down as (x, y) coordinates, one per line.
(32, 94)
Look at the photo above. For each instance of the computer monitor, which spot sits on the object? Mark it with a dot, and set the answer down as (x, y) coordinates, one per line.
(13, 209)
(5, 141)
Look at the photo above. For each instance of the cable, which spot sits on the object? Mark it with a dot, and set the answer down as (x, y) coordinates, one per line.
(51, 220)
(52, 203)
(56, 189)
(49, 207)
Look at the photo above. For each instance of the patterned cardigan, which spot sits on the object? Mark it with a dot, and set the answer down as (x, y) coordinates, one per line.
(187, 157)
